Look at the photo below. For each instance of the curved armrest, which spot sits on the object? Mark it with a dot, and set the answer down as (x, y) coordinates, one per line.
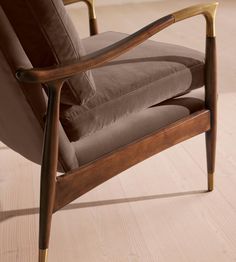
(208, 10)
(106, 54)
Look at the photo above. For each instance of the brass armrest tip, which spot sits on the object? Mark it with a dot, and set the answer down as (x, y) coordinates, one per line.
(207, 10)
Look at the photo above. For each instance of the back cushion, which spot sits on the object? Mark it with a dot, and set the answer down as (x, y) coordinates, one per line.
(23, 106)
(48, 37)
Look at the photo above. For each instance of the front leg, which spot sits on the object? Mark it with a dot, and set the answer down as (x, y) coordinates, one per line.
(49, 168)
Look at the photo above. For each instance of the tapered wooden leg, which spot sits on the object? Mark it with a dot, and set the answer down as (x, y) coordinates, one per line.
(45, 218)
(44, 235)
(49, 168)
(211, 104)
(211, 154)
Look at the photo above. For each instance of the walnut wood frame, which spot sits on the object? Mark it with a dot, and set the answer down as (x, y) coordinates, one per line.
(91, 12)
(57, 192)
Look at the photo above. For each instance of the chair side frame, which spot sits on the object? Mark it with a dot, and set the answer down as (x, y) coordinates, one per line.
(56, 192)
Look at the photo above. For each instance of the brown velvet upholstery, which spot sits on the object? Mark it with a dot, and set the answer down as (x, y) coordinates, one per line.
(146, 100)
(48, 37)
(22, 107)
(147, 75)
(135, 126)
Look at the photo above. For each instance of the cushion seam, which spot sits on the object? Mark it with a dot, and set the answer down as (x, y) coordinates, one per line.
(63, 25)
(50, 44)
(60, 159)
(43, 31)
(107, 102)
(72, 45)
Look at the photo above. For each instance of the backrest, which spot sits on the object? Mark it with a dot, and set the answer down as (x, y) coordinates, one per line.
(23, 106)
(49, 37)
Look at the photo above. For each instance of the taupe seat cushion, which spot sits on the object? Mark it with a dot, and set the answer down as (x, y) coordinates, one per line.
(149, 74)
(135, 126)
(48, 37)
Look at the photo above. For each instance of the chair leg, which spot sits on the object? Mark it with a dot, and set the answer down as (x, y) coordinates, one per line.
(211, 104)
(45, 219)
(49, 169)
(211, 154)
(44, 234)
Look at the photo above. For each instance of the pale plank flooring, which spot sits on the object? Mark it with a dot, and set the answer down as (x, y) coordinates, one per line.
(156, 211)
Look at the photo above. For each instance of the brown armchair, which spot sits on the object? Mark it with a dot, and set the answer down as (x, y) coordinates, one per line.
(104, 103)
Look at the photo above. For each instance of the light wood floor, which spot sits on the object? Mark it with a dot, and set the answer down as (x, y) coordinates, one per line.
(156, 211)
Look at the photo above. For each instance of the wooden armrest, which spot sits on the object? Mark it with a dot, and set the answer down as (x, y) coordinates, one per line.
(92, 13)
(208, 10)
(100, 57)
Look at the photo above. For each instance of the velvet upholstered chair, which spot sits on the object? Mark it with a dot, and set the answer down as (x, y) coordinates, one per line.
(97, 106)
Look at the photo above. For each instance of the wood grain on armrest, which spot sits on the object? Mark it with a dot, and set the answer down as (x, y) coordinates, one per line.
(98, 58)
(95, 59)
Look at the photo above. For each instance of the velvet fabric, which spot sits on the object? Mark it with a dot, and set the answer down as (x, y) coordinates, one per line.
(48, 37)
(149, 74)
(135, 126)
(23, 106)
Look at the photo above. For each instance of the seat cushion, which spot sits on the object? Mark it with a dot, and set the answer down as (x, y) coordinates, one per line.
(137, 125)
(149, 74)
(48, 37)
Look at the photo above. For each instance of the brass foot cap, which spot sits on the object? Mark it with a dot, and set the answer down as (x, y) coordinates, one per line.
(43, 255)
(210, 182)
